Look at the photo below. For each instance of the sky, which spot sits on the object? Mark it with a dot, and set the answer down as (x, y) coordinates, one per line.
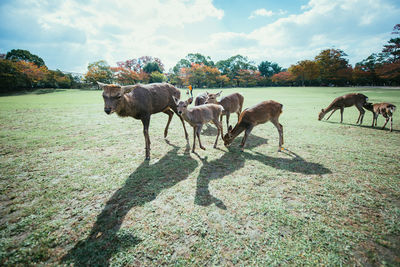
(70, 34)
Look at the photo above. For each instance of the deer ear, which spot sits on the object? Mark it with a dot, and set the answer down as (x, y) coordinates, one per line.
(101, 85)
(176, 100)
(207, 93)
(219, 93)
(190, 100)
(126, 89)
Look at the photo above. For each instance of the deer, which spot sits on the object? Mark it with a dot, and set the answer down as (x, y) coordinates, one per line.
(198, 116)
(200, 99)
(140, 102)
(232, 103)
(385, 109)
(253, 116)
(346, 101)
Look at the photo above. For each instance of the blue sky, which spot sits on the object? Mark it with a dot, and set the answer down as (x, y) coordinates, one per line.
(70, 34)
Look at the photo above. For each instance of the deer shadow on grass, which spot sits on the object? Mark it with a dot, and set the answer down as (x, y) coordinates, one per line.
(141, 187)
(217, 169)
(235, 159)
(363, 126)
(293, 164)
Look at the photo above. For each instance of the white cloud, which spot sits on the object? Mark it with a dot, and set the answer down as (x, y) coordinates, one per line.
(261, 13)
(70, 34)
(109, 30)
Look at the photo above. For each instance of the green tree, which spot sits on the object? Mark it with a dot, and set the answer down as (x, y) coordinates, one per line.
(393, 46)
(305, 71)
(157, 77)
(267, 69)
(99, 71)
(233, 65)
(334, 68)
(24, 55)
(152, 67)
(191, 59)
(10, 77)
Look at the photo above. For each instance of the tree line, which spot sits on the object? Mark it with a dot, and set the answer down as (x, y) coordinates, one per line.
(19, 69)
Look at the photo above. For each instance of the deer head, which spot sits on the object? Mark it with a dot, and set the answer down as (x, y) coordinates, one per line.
(369, 106)
(212, 98)
(112, 96)
(182, 105)
(321, 114)
(228, 137)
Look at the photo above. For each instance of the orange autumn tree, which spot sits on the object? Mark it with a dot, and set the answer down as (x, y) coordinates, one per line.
(283, 78)
(33, 73)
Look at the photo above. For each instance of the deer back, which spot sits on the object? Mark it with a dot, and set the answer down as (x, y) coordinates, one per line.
(261, 113)
(203, 113)
(155, 97)
(200, 99)
(232, 103)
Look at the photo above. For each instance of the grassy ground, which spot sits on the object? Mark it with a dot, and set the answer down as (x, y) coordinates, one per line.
(75, 188)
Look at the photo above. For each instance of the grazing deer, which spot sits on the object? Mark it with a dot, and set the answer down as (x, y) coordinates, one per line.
(251, 117)
(140, 101)
(346, 101)
(386, 109)
(198, 116)
(200, 99)
(232, 103)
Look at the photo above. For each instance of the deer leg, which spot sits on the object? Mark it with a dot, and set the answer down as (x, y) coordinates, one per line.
(183, 122)
(373, 119)
(194, 138)
(331, 114)
(146, 123)
(219, 127)
(387, 119)
(361, 116)
(246, 134)
(170, 114)
(341, 114)
(376, 119)
(227, 119)
(279, 127)
(198, 131)
(391, 123)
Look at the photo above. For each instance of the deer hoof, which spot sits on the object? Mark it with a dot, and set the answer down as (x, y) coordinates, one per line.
(202, 147)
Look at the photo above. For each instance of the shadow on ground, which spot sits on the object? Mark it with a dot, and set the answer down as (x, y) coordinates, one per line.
(235, 160)
(142, 186)
(387, 128)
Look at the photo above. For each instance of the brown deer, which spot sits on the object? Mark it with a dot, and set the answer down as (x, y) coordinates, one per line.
(232, 103)
(251, 117)
(200, 99)
(140, 101)
(385, 109)
(198, 116)
(346, 101)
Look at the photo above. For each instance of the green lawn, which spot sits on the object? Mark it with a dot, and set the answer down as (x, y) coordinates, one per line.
(75, 188)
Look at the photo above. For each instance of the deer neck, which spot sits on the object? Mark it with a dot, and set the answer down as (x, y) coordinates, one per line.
(126, 106)
(187, 115)
(238, 129)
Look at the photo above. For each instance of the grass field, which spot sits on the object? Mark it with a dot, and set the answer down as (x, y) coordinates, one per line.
(75, 188)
